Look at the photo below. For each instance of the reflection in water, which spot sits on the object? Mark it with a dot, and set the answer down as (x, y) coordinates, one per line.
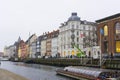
(37, 66)
(33, 71)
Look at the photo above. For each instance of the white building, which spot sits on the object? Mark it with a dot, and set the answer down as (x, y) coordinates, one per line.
(9, 51)
(38, 46)
(31, 42)
(75, 31)
(54, 43)
(43, 45)
(96, 52)
(33, 50)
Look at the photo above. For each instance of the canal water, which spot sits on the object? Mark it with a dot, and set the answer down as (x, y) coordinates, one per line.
(33, 71)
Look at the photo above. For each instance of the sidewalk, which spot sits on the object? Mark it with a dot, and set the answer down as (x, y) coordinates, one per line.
(7, 75)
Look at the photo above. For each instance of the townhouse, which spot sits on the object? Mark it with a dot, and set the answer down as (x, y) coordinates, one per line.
(48, 44)
(54, 44)
(31, 43)
(43, 45)
(22, 50)
(9, 51)
(38, 46)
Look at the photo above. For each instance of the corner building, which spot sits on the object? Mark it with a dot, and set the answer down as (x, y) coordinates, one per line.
(78, 32)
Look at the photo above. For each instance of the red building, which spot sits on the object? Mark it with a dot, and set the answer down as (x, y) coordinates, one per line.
(110, 39)
(22, 51)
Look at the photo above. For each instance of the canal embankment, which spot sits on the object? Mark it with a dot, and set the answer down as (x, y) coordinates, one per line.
(7, 75)
(88, 62)
(62, 62)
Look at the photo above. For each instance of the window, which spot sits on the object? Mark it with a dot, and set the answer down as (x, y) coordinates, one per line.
(68, 46)
(83, 27)
(72, 26)
(87, 34)
(64, 46)
(73, 52)
(38, 42)
(77, 39)
(117, 28)
(77, 26)
(68, 26)
(78, 45)
(105, 30)
(77, 32)
(86, 28)
(117, 46)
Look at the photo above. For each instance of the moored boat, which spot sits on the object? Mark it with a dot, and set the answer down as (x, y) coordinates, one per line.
(87, 73)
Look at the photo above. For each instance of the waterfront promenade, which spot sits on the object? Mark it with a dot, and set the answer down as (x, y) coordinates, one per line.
(7, 75)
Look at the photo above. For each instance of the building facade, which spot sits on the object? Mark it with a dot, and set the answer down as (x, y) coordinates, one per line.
(109, 39)
(89, 39)
(33, 50)
(16, 44)
(54, 44)
(43, 45)
(31, 43)
(48, 44)
(9, 51)
(76, 32)
(38, 46)
(22, 51)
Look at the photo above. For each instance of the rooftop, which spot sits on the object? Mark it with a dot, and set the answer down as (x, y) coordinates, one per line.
(74, 17)
(108, 18)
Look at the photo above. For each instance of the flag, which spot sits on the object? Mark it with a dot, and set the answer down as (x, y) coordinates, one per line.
(81, 35)
(101, 31)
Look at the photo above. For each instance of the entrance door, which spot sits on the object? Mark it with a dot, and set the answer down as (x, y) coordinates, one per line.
(106, 47)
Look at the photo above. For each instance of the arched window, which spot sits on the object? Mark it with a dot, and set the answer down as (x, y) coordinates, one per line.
(117, 28)
(105, 30)
(117, 31)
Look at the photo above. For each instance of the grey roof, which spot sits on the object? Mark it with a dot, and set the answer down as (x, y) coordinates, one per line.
(30, 38)
(74, 17)
(19, 39)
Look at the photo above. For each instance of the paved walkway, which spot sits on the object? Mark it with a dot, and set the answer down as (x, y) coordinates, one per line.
(7, 75)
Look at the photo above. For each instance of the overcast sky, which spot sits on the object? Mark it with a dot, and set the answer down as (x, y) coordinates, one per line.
(19, 17)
